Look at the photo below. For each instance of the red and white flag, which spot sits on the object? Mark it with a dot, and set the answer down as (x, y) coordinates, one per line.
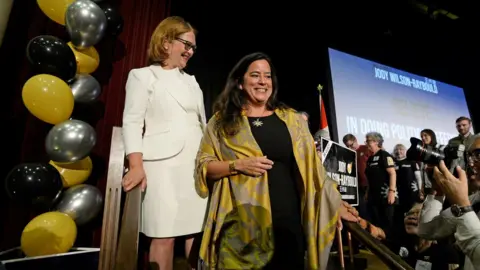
(323, 131)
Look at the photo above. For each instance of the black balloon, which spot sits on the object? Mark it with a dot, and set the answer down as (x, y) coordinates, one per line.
(51, 55)
(114, 19)
(37, 184)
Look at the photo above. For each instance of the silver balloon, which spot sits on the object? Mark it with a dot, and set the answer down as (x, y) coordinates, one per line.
(70, 141)
(86, 23)
(82, 203)
(85, 88)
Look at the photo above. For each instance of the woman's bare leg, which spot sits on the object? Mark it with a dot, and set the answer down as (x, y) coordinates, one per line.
(161, 253)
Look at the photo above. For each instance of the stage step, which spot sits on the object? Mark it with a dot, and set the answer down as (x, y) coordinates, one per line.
(75, 259)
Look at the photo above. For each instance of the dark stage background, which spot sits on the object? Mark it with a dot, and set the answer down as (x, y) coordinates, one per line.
(295, 34)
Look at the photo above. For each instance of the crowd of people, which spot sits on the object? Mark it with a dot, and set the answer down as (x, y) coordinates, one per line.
(393, 186)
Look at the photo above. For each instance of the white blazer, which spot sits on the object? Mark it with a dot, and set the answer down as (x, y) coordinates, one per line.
(151, 101)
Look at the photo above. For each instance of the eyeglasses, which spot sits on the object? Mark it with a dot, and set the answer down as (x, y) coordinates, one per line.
(188, 44)
(474, 155)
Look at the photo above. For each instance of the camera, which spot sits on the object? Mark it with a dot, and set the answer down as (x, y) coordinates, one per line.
(451, 155)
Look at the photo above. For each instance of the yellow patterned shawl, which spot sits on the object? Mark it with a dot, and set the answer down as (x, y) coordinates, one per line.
(238, 228)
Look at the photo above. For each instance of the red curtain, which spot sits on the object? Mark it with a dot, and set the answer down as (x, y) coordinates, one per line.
(23, 135)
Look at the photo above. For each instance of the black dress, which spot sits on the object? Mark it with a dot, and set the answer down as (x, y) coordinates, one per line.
(275, 142)
(407, 185)
(381, 213)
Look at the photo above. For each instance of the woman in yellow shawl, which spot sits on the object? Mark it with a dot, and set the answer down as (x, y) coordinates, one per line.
(270, 200)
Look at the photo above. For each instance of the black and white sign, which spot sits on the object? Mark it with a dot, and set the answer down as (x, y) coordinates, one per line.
(341, 165)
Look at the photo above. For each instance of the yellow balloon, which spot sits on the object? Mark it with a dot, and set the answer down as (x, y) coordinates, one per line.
(74, 173)
(55, 9)
(87, 59)
(48, 98)
(47, 234)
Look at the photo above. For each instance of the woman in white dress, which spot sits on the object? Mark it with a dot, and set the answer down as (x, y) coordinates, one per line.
(169, 104)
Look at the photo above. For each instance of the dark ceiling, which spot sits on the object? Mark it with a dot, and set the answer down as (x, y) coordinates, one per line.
(432, 29)
(437, 39)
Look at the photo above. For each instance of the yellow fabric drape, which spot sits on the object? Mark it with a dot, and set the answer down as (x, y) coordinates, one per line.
(238, 228)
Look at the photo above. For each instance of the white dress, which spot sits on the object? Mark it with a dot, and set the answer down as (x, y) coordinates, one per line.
(171, 207)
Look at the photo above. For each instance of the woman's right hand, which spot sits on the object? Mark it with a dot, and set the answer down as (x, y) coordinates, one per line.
(253, 166)
(134, 177)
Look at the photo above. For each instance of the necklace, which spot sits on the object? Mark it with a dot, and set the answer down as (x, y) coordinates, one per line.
(258, 123)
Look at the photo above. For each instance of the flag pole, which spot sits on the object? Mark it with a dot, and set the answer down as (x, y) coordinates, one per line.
(323, 131)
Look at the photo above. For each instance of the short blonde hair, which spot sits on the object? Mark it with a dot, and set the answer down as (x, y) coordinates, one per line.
(167, 30)
(399, 146)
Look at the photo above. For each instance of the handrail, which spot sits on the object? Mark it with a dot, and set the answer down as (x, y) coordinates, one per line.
(392, 260)
(112, 205)
(120, 240)
(127, 251)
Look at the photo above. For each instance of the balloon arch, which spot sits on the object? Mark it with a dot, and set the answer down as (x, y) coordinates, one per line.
(62, 79)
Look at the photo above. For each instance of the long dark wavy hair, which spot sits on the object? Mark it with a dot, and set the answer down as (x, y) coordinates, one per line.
(230, 103)
(432, 135)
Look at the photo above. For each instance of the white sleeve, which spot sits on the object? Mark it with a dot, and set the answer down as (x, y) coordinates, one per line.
(474, 198)
(418, 177)
(435, 224)
(136, 100)
(468, 237)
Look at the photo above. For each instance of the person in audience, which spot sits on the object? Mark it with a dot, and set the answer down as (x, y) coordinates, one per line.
(462, 219)
(407, 182)
(465, 137)
(429, 140)
(416, 251)
(473, 176)
(170, 103)
(407, 186)
(363, 153)
(428, 137)
(270, 197)
(420, 252)
(382, 192)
